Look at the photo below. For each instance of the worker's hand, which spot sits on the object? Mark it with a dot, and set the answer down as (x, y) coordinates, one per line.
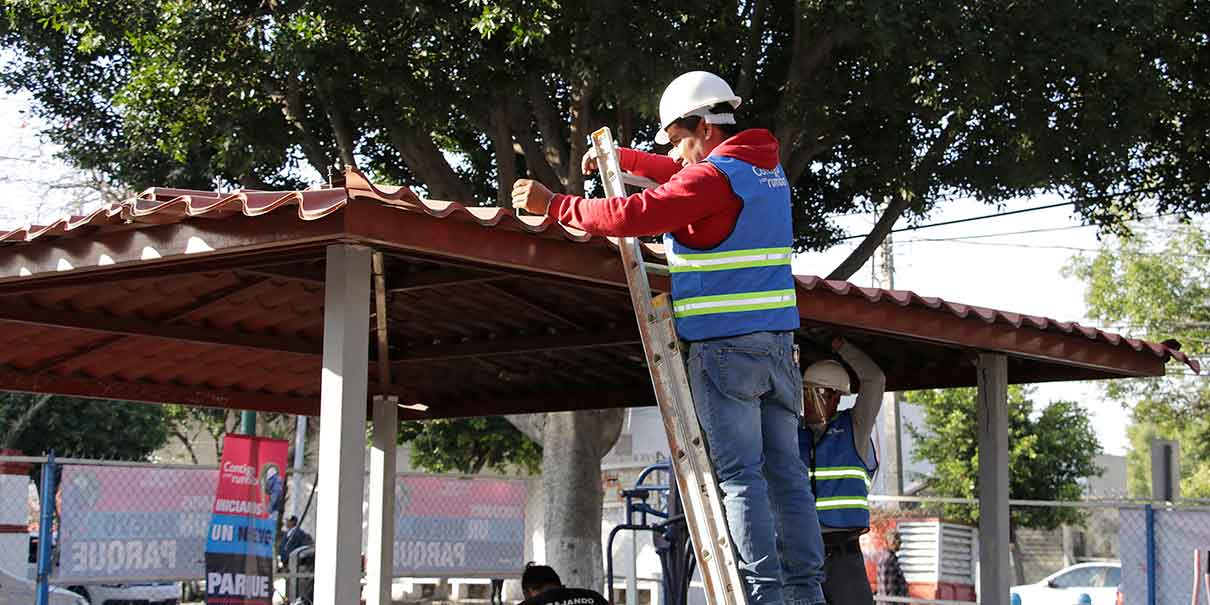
(837, 342)
(588, 163)
(531, 196)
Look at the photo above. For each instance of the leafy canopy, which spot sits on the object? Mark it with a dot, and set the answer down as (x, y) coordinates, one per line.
(82, 428)
(877, 104)
(1050, 451)
(1156, 286)
(470, 445)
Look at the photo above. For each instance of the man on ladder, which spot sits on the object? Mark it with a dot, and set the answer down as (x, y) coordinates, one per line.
(724, 210)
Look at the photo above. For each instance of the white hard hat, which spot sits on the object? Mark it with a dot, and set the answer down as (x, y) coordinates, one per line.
(691, 94)
(827, 374)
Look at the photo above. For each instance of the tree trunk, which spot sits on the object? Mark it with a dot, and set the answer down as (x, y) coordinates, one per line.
(184, 439)
(342, 127)
(506, 158)
(295, 111)
(581, 125)
(572, 446)
(549, 124)
(422, 155)
(891, 213)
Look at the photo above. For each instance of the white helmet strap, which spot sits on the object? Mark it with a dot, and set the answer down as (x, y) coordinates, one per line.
(712, 118)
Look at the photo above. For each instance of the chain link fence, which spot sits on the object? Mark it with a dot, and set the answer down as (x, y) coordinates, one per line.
(134, 532)
(143, 527)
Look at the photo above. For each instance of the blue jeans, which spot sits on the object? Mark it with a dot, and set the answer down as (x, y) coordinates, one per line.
(747, 391)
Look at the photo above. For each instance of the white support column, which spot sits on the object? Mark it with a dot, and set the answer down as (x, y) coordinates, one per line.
(992, 415)
(342, 425)
(379, 550)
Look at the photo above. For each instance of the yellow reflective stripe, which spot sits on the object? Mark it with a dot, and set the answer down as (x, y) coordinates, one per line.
(725, 261)
(841, 472)
(732, 303)
(842, 502)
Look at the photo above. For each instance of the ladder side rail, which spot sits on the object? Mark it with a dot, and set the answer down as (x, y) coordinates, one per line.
(694, 473)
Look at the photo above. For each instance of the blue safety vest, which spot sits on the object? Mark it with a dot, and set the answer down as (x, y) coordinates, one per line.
(744, 284)
(840, 479)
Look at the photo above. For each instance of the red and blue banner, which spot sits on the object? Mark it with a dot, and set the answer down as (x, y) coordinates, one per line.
(243, 521)
(452, 526)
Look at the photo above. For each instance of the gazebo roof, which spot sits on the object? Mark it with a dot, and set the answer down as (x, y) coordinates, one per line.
(216, 299)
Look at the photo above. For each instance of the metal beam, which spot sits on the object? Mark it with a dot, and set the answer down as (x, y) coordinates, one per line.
(437, 278)
(200, 395)
(381, 526)
(533, 307)
(202, 303)
(109, 324)
(992, 415)
(411, 282)
(563, 341)
(159, 249)
(497, 404)
(414, 232)
(342, 425)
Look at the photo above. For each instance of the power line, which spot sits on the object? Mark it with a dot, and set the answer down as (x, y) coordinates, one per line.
(1107, 196)
(961, 240)
(966, 220)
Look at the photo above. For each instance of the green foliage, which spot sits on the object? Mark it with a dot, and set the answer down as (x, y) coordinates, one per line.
(1050, 451)
(470, 445)
(1157, 286)
(82, 428)
(875, 103)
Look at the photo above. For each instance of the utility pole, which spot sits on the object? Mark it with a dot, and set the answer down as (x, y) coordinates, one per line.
(892, 456)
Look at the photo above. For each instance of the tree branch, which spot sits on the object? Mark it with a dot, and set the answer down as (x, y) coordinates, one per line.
(536, 163)
(872, 240)
(549, 125)
(422, 155)
(506, 159)
(581, 120)
(18, 427)
(803, 64)
(610, 421)
(295, 111)
(801, 157)
(747, 72)
(184, 439)
(530, 425)
(342, 128)
(898, 204)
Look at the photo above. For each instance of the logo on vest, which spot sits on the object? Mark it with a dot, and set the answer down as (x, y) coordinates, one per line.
(835, 431)
(771, 178)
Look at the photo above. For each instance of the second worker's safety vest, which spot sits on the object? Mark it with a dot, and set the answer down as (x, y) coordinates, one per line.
(839, 477)
(744, 284)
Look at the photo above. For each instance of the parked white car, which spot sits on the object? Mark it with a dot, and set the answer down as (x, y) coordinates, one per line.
(1098, 580)
(154, 593)
(20, 591)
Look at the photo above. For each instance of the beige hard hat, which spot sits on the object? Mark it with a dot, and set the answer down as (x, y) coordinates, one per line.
(693, 93)
(828, 374)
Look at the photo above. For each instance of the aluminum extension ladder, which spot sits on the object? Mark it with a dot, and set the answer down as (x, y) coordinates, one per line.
(694, 473)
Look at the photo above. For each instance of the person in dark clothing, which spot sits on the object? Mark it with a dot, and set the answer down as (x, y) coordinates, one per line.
(542, 586)
(890, 574)
(497, 591)
(295, 537)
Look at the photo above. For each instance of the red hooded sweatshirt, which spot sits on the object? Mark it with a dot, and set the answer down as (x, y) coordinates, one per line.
(694, 203)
